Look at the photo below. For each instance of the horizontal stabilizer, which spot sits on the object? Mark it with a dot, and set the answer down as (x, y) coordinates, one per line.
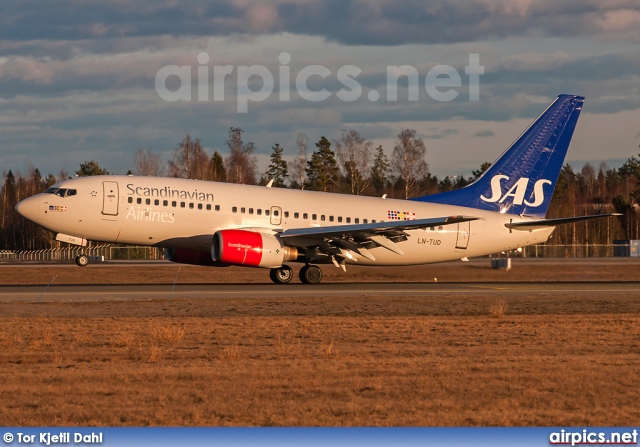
(534, 224)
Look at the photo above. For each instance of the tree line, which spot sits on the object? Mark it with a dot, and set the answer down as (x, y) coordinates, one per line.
(349, 165)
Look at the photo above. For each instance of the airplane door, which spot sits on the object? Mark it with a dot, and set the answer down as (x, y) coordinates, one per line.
(276, 215)
(110, 198)
(464, 228)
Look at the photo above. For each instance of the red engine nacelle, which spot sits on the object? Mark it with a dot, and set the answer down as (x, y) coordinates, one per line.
(191, 257)
(250, 248)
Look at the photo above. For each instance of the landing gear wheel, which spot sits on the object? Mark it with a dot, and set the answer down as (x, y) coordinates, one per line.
(82, 260)
(310, 274)
(281, 275)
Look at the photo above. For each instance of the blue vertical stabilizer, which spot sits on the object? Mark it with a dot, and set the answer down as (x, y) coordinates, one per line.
(522, 180)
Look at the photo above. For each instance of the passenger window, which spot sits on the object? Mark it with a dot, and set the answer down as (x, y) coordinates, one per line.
(208, 207)
(314, 217)
(138, 200)
(190, 205)
(242, 210)
(130, 200)
(165, 203)
(174, 203)
(259, 211)
(296, 215)
(147, 201)
(305, 216)
(156, 202)
(330, 218)
(348, 220)
(250, 210)
(217, 207)
(234, 209)
(339, 218)
(182, 204)
(276, 213)
(365, 221)
(266, 212)
(322, 218)
(286, 214)
(357, 220)
(373, 221)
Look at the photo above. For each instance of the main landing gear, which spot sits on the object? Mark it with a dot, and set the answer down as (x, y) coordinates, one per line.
(309, 274)
(281, 275)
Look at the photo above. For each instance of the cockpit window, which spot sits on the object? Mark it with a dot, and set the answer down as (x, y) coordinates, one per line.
(62, 192)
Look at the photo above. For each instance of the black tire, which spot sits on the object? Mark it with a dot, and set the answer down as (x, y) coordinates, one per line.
(82, 260)
(281, 275)
(310, 274)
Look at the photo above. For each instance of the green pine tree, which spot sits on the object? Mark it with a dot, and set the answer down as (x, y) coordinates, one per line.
(277, 168)
(89, 168)
(322, 168)
(380, 171)
(217, 172)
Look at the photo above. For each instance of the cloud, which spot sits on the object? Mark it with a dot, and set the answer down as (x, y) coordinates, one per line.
(81, 79)
(439, 135)
(484, 133)
(361, 22)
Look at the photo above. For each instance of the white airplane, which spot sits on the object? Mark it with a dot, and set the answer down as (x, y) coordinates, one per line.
(222, 224)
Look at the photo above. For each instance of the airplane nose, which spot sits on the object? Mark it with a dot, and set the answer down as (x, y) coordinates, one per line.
(29, 208)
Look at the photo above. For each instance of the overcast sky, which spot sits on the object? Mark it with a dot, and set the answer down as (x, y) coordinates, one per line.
(78, 82)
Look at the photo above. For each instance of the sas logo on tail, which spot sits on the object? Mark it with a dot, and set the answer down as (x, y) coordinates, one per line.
(517, 191)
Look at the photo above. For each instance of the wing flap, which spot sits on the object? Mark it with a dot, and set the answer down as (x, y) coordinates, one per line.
(536, 224)
(378, 227)
(340, 242)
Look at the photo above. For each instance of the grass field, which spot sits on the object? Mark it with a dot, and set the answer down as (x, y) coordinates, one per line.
(402, 361)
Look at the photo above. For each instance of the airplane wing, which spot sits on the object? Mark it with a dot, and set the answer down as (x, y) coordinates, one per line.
(534, 224)
(340, 241)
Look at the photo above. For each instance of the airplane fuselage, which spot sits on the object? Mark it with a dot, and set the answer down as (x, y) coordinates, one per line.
(185, 214)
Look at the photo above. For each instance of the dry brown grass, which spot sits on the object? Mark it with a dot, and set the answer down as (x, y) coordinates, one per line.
(618, 269)
(232, 353)
(498, 308)
(402, 361)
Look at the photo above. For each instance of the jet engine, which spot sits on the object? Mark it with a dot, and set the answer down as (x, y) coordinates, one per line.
(250, 248)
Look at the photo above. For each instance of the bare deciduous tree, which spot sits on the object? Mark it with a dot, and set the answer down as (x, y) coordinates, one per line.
(147, 163)
(240, 163)
(297, 174)
(189, 160)
(408, 161)
(354, 154)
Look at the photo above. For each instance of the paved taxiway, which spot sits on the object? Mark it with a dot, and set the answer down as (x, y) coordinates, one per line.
(80, 293)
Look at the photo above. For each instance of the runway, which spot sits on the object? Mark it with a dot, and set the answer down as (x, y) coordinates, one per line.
(86, 293)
